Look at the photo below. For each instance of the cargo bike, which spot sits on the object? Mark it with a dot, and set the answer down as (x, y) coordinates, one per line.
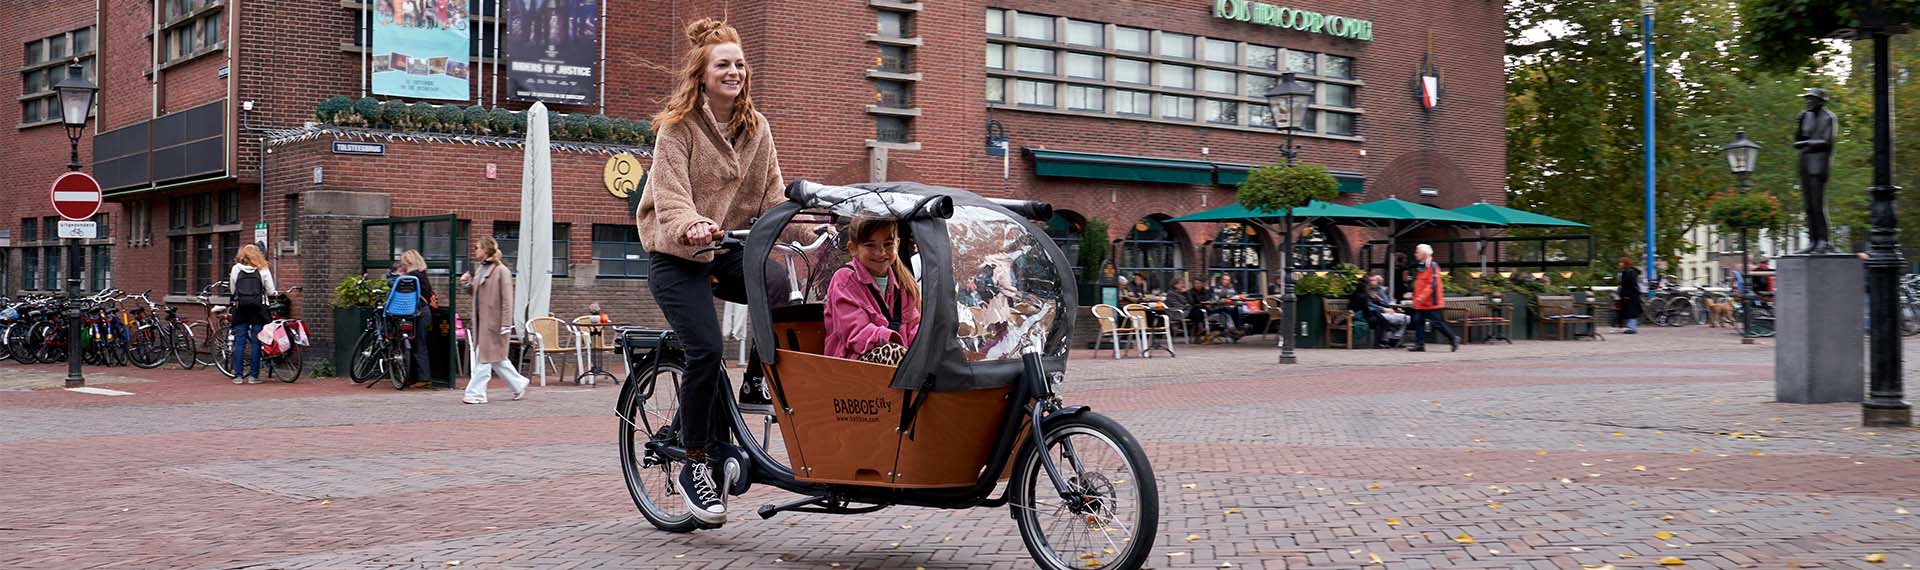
(971, 405)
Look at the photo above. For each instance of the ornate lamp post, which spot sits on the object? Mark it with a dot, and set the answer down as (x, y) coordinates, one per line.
(1292, 97)
(76, 102)
(1885, 405)
(1740, 156)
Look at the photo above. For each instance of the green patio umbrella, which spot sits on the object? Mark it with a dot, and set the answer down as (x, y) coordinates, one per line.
(1316, 209)
(1513, 219)
(1403, 216)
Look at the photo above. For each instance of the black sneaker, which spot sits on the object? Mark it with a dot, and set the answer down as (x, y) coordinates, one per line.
(705, 499)
(754, 396)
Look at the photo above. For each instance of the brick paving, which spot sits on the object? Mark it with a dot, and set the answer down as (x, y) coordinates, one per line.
(1547, 454)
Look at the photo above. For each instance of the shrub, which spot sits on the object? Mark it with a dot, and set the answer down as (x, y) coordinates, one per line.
(599, 128)
(331, 109)
(423, 116)
(359, 291)
(1276, 187)
(477, 120)
(504, 122)
(368, 109)
(394, 113)
(1743, 210)
(1093, 245)
(450, 118)
(578, 127)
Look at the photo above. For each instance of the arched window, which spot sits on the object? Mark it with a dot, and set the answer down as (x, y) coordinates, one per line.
(1066, 227)
(1313, 249)
(1153, 250)
(1235, 252)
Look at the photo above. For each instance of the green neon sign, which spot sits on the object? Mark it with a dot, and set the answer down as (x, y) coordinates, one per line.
(1293, 19)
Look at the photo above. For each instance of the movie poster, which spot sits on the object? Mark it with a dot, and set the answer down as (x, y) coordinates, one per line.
(551, 50)
(421, 49)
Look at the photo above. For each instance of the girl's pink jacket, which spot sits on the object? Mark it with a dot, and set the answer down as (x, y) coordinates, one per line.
(855, 323)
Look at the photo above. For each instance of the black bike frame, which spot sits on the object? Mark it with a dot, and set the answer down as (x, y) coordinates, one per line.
(1033, 399)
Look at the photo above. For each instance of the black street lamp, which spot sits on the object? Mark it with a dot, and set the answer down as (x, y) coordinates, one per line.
(76, 102)
(1290, 97)
(1885, 405)
(1740, 157)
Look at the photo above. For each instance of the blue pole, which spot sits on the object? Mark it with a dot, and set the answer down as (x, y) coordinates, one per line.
(1646, 31)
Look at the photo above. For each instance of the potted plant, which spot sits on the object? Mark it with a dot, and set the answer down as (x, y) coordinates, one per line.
(393, 115)
(1311, 290)
(1093, 253)
(332, 109)
(354, 302)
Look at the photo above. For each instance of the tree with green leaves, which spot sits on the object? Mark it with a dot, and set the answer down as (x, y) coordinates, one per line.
(1279, 188)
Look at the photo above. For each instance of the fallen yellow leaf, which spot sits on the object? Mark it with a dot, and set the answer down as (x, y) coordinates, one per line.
(1373, 485)
(1086, 555)
(1193, 537)
(327, 502)
(1468, 474)
(1575, 549)
(1757, 453)
(1685, 469)
(1618, 434)
(1373, 558)
(1541, 453)
(1666, 517)
(1900, 511)
(1663, 535)
(1493, 505)
(1393, 521)
(1876, 558)
(1107, 550)
(1672, 561)
(1639, 468)
(906, 526)
(1176, 554)
(453, 562)
(1093, 563)
(679, 556)
(1225, 565)
(1190, 486)
(1695, 450)
(1464, 538)
(1625, 555)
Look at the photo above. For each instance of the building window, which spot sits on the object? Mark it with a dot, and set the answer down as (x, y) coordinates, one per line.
(1090, 34)
(1338, 123)
(1176, 107)
(1152, 251)
(1176, 76)
(891, 94)
(29, 229)
(1134, 40)
(177, 265)
(207, 267)
(996, 56)
(1336, 95)
(1338, 67)
(51, 279)
(45, 63)
(893, 59)
(1033, 60)
(890, 129)
(1217, 81)
(1132, 71)
(508, 235)
(1082, 98)
(1301, 62)
(1236, 254)
(30, 268)
(229, 253)
(1222, 51)
(1176, 45)
(1223, 112)
(177, 213)
(996, 22)
(1065, 228)
(1132, 103)
(98, 276)
(1085, 66)
(1033, 27)
(996, 90)
(617, 250)
(229, 206)
(1263, 57)
(1259, 85)
(191, 38)
(893, 24)
(293, 219)
(202, 210)
(101, 227)
(138, 221)
(1033, 93)
(1260, 116)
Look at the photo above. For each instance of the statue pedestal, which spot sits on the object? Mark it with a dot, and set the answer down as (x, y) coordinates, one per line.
(1819, 306)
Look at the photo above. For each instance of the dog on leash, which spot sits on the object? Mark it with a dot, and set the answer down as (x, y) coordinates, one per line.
(1720, 313)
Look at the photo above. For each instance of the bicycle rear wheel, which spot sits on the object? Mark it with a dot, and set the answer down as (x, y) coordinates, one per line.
(17, 345)
(148, 347)
(288, 365)
(399, 366)
(180, 345)
(223, 352)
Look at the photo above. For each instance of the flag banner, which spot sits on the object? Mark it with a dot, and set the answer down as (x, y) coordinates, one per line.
(552, 48)
(421, 49)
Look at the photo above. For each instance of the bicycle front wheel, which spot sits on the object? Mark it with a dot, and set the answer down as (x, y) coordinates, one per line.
(148, 347)
(1113, 512)
(180, 345)
(649, 407)
(223, 352)
(368, 353)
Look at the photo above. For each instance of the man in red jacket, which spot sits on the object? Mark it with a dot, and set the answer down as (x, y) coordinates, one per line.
(1429, 300)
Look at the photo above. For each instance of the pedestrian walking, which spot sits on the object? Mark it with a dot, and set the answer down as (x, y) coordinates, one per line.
(715, 168)
(1628, 306)
(491, 285)
(251, 281)
(410, 277)
(1429, 300)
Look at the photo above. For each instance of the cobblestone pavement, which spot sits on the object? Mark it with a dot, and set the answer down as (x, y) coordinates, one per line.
(1545, 454)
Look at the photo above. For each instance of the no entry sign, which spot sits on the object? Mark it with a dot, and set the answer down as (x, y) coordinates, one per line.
(76, 196)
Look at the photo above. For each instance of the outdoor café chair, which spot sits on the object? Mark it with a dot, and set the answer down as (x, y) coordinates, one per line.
(1144, 326)
(1113, 323)
(544, 336)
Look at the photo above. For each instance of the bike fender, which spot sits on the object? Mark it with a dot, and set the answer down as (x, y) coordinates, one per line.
(1063, 413)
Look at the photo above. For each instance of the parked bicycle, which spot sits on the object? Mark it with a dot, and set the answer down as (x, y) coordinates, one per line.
(283, 352)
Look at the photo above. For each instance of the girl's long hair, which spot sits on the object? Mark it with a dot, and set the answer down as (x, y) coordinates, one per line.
(689, 91)
(251, 256)
(489, 249)
(863, 228)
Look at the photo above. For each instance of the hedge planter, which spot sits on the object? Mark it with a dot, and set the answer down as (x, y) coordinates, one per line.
(347, 324)
(1312, 312)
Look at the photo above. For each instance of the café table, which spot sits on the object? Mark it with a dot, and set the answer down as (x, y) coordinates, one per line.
(591, 375)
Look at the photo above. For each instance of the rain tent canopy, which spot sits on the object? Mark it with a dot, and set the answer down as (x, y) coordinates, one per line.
(985, 260)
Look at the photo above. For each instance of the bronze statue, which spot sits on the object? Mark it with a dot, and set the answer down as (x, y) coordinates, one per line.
(1814, 138)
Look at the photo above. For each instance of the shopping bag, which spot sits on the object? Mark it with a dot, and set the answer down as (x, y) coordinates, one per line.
(273, 339)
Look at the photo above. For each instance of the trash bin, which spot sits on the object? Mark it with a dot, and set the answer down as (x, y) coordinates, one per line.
(440, 351)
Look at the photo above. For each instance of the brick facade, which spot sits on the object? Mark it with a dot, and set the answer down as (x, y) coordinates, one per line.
(811, 63)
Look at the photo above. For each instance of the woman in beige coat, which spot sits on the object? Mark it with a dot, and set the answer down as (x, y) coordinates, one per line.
(492, 286)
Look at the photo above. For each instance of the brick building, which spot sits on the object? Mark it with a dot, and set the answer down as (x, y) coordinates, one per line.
(1125, 112)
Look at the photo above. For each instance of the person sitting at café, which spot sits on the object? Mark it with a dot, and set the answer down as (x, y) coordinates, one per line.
(1181, 305)
(1219, 301)
(873, 303)
(1389, 324)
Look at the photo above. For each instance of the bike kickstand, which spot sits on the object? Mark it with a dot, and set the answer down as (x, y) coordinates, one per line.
(767, 511)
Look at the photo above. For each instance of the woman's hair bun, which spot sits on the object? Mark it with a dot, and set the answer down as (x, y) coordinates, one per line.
(708, 31)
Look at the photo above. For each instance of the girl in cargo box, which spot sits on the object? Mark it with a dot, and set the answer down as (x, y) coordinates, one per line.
(873, 303)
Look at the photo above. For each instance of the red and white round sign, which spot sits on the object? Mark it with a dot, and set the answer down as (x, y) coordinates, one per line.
(76, 196)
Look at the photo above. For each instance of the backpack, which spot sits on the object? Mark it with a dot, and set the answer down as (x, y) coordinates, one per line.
(249, 291)
(403, 296)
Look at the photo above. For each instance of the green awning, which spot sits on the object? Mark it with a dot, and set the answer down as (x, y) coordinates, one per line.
(1516, 218)
(1404, 211)
(1118, 167)
(1229, 174)
(1316, 209)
